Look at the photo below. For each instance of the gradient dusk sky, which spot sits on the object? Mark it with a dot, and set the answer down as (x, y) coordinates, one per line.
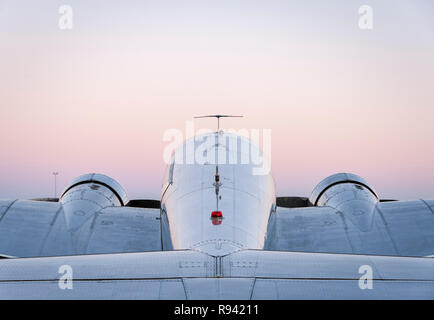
(98, 97)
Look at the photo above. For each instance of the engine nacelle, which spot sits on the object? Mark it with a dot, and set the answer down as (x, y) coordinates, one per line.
(87, 195)
(350, 195)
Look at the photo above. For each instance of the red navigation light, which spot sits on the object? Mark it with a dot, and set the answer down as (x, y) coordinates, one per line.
(216, 217)
(216, 214)
(216, 221)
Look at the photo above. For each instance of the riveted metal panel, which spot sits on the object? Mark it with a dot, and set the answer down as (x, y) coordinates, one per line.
(269, 264)
(125, 230)
(218, 288)
(268, 289)
(410, 225)
(402, 228)
(105, 289)
(150, 265)
(25, 226)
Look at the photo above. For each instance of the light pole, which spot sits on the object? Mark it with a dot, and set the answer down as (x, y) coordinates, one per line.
(55, 183)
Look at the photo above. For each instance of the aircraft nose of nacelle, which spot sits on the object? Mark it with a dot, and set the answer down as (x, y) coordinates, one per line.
(349, 194)
(88, 194)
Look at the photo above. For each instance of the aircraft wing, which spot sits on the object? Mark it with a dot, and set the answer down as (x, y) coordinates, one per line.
(398, 228)
(40, 228)
(249, 274)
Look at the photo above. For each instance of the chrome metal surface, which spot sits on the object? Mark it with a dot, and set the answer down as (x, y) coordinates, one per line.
(218, 257)
(337, 179)
(400, 228)
(244, 275)
(35, 228)
(102, 179)
(245, 199)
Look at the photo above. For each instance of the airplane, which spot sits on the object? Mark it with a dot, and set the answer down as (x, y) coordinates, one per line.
(217, 232)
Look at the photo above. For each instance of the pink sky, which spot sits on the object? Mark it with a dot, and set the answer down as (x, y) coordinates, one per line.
(99, 97)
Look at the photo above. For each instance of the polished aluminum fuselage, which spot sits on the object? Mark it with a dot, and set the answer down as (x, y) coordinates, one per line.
(189, 196)
(217, 257)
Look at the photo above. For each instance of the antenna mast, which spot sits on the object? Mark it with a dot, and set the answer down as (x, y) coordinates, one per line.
(218, 116)
(217, 184)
